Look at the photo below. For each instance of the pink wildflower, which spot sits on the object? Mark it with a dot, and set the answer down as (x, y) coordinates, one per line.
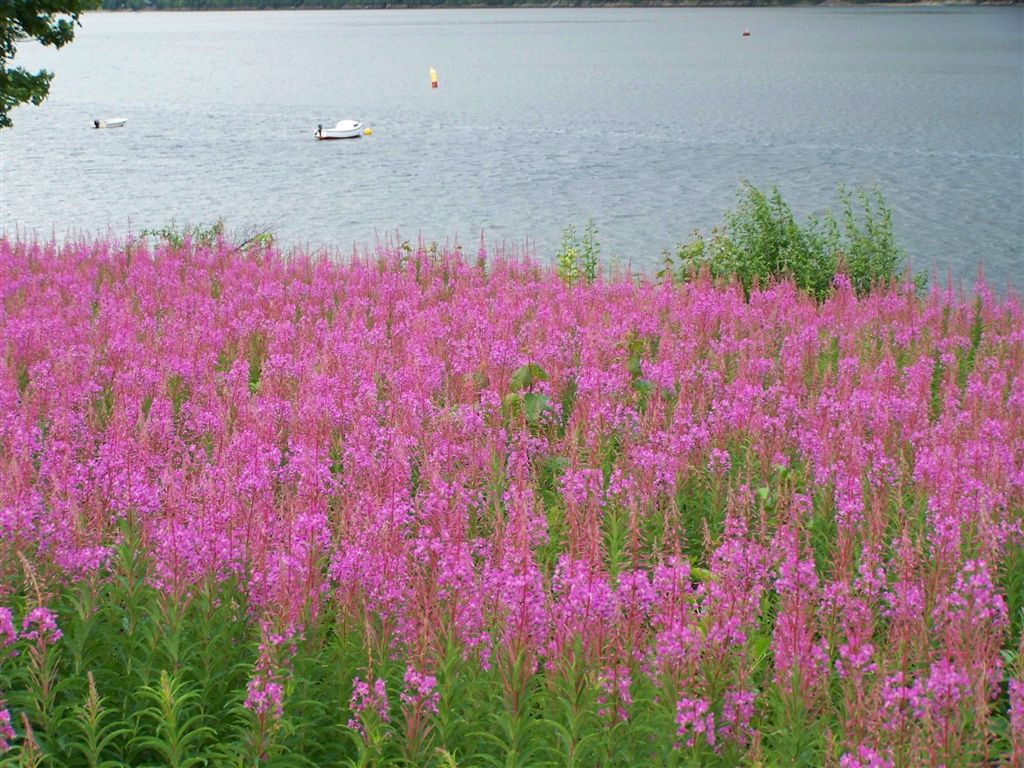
(7, 734)
(8, 634)
(40, 624)
(1016, 716)
(420, 690)
(695, 720)
(365, 701)
(865, 757)
(264, 695)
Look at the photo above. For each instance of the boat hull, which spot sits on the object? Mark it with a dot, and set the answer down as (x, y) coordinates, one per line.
(114, 122)
(329, 135)
(345, 129)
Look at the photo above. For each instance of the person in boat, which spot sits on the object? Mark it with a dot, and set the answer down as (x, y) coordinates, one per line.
(96, 123)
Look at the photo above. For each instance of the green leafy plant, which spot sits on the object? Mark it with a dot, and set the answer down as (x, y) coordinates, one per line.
(97, 732)
(242, 239)
(761, 241)
(531, 404)
(175, 236)
(577, 259)
(177, 732)
(51, 23)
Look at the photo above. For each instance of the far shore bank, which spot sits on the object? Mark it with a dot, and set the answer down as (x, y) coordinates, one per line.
(399, 6)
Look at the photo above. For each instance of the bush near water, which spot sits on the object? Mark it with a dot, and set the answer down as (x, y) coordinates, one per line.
(426, 507)
(761, 241)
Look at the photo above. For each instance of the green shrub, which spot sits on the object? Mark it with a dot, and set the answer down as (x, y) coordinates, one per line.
(175, 236)
(242, 238)
(761, 242)
(577, 259)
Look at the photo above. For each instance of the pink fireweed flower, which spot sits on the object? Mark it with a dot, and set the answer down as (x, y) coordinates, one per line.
(40, 624)
(580, 486)
(719, 461)
(973, 604)
(354, 410)
(1016, 717)
(904, 603)
(739, 567)
(944, 689)
(900, 702)
(678, 639)
(8, 635)
(265, 690)
(842, 283)
(737, 712)
(584, 607)
(7, 734)
(264, 695)
(635, 592)
(855, 657)
(366, 700)
(865, 757)
(972, 620)
(634, 597)
(615, 695)
(974, 593)
(582, 587)
(853, 611)
(516, 587)
(796, 650)
(420, 690)
(694, 718)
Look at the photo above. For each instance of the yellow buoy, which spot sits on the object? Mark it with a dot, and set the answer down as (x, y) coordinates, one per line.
(367, 132)
(433, 78)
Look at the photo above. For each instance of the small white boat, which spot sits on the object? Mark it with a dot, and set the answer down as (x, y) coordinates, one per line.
(345, 129)
(113, 122)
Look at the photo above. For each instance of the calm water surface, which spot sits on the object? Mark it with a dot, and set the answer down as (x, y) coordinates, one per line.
(646, 120)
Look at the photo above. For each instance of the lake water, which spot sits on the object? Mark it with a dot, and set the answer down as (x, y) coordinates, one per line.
(646, 120)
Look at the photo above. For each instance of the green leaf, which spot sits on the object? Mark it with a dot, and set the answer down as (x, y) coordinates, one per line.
(635, 366)
(525, 376)
(702, 574)
(534, 404)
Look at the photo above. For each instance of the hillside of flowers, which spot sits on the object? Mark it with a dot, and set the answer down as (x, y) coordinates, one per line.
(426, 507)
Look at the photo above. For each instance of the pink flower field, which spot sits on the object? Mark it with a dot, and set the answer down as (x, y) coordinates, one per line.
(424, 507)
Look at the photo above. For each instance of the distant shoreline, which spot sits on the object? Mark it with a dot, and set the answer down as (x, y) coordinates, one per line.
(399, 6)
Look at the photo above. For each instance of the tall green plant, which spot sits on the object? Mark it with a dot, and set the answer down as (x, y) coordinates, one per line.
(861, 238)
(577, 258)
(761, 242)
(176, 236)
(175, 731)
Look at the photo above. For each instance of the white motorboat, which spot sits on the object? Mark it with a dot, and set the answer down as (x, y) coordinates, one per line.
(113, 122)
(345, 129)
